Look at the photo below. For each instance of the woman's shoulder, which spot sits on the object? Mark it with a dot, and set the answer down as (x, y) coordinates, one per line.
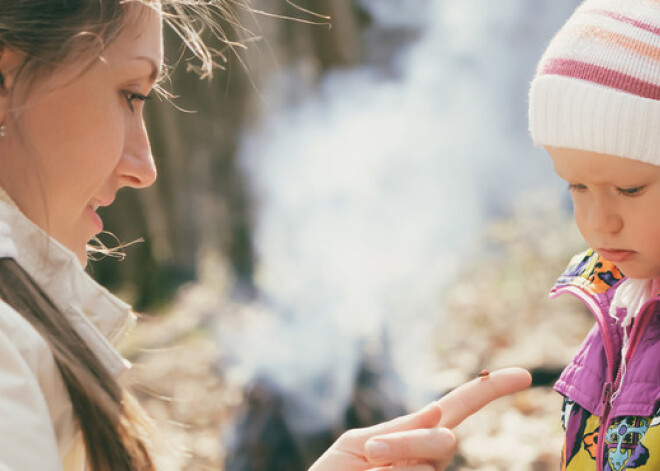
(21, 342)
(34, 404)
(20, 333)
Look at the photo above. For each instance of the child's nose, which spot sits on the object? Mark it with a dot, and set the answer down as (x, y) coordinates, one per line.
(604, 218)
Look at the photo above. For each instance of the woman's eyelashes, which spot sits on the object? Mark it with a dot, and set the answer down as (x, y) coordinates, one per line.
(132, 97)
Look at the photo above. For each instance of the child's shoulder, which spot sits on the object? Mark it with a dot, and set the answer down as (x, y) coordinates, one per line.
(590, 272)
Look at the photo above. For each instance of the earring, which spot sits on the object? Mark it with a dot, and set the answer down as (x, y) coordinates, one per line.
(2, 130)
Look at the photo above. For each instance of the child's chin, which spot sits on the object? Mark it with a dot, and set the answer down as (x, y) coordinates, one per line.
(637, 273)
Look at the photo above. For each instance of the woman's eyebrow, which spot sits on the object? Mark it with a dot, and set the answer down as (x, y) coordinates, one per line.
(155, 70)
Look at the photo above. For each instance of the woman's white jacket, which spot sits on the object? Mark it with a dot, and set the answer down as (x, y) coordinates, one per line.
(38, 430)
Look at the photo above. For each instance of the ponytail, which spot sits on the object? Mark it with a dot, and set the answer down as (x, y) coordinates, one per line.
(112, 423)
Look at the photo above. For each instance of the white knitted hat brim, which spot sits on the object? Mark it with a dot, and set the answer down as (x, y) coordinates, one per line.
(572, 113)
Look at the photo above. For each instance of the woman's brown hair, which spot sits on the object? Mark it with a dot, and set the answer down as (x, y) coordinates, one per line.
(50, 33)
(111, 422)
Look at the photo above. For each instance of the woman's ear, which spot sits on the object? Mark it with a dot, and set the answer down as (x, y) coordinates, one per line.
(10, 63)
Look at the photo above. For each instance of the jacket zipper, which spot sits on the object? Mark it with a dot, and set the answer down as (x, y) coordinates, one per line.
(607, 406)
(606, 394)
(614, 382)
(604, 423)
(607, 401)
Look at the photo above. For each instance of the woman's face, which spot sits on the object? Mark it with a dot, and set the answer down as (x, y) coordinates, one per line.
(77, 138)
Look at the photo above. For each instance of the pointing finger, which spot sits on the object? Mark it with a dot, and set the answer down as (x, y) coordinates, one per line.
(468, 398)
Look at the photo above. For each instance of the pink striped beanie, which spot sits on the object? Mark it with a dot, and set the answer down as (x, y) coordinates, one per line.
(597, 86)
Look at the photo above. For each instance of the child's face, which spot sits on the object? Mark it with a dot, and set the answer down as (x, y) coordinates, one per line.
(616, 204)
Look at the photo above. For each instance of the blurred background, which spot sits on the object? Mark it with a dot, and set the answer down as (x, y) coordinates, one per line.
(349, 221)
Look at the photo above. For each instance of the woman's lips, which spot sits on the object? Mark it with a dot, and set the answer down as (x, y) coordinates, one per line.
(616, 255)
(96, 219)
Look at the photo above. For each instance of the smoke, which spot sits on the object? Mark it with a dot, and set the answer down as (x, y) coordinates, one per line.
(373, 188)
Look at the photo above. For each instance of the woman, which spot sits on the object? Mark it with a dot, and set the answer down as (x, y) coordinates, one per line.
(74, 76)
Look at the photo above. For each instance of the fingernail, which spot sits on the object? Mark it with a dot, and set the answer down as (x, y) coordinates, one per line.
(377, 450)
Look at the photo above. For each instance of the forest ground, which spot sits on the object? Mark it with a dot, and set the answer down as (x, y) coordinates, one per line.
(497, 314)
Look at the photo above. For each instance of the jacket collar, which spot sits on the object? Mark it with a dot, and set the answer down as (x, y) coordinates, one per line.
(591, 273)
(99, 317)
(595, 281)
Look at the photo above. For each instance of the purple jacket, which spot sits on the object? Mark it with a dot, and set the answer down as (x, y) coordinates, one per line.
(632, 440)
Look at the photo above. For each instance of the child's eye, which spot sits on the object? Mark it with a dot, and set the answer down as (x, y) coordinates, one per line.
(577, 187)
(634, 191)
(131, 97)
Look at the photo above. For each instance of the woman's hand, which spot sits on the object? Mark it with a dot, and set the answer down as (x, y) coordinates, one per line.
(422, 441)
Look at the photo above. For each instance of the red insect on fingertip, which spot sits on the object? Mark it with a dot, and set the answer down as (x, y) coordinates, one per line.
(483, 374)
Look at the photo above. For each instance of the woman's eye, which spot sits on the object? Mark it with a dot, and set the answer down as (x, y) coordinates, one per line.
(634, 191)
(132, 97)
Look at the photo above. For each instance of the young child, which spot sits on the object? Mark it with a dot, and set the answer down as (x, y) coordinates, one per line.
(595, 107)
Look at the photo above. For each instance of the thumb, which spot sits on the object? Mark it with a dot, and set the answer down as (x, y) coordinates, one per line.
(352, 442)
(426, 417)
(433, 444)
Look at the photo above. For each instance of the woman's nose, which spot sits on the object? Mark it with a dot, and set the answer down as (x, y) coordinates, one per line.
(137, 168)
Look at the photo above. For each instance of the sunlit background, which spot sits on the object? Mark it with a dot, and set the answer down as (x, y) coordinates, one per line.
(351, 222)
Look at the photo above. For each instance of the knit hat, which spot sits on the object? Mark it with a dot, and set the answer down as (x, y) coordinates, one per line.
(597, 86)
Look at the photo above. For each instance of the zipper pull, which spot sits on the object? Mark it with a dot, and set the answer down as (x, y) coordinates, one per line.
(607, 394)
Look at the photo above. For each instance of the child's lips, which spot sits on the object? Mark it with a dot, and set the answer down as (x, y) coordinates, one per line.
(616, 255)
